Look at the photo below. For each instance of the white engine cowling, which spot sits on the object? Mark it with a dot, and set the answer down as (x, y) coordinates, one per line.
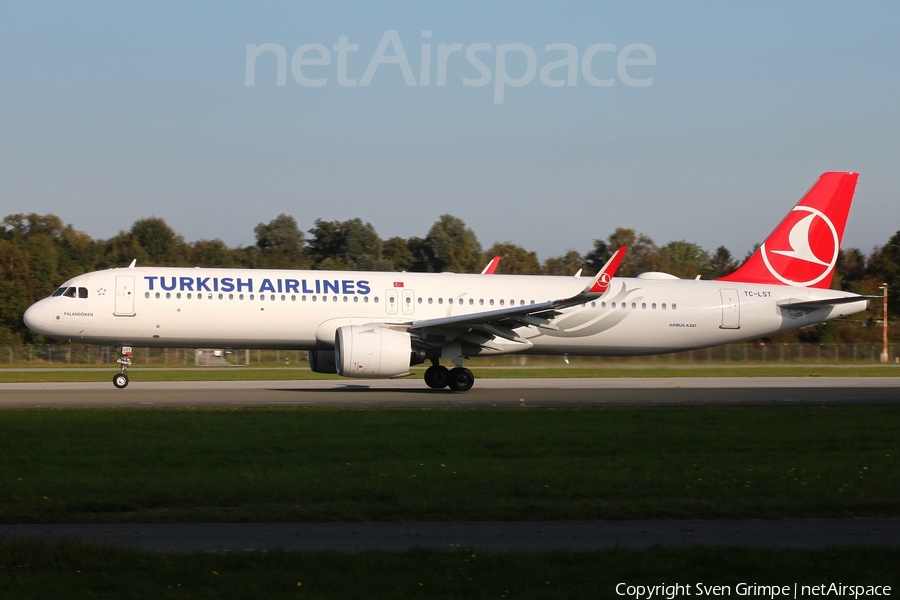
(372, 351)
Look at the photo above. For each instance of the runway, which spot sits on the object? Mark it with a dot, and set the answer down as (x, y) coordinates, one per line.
(538, 536)
(530, 392)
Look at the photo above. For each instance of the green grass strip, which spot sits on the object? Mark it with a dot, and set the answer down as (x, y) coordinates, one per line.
(261, 374)
(313, 464)
(74, 571)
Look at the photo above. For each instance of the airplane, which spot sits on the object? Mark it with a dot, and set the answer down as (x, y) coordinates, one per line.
(378, 325)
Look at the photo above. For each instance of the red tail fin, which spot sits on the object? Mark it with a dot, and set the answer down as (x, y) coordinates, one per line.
(803, 249)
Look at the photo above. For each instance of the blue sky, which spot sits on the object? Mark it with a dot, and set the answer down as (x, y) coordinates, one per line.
(114, 111)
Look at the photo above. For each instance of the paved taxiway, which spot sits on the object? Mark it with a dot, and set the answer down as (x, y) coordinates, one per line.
(538, 536)
(487, 392)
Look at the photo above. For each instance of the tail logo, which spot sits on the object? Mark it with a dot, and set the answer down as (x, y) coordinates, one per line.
(811, 238)
(603, 282)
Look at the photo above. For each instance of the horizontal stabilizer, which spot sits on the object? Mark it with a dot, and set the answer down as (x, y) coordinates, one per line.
(808, 305)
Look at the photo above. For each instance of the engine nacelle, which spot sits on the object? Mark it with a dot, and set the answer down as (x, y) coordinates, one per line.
(372, 351)
(322, 361)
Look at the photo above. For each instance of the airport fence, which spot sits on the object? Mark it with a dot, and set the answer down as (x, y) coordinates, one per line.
(748, 353)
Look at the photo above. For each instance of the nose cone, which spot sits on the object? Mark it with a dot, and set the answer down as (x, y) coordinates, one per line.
(34, 317)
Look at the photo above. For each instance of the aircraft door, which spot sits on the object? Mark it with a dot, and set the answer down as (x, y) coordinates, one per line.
(124, 295)
(391, 301)
(409, 302)
(731, 310)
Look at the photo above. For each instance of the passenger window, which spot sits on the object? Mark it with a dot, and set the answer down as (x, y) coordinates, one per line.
(146, 294)
(188, 296)
(365, 299)
(240, 296)
(282, 297)
(643, 305)
(376, 299)
(168, 295)
(664, 306)
(178, 296)
(346, 299)
(613, 304)
(313, 298)
(303, 298)
(440, 300)
(471, 301)
(251, 296)
(603, 305)
(502, 302)
(157, 294)
(221, 296)
(492, 301)
(449, 300)
(593, 305)
(356, 299)
(673, 306)
(653, 306)
(272, 297)
(231, 296)
(634, 305)
(431, 301)
(324, 298)
(481, 301)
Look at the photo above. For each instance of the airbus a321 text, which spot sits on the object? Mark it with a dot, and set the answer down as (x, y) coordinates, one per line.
(377, 325)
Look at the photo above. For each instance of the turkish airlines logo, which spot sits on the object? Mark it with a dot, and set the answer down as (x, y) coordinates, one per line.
(602, 283)
(804, 249)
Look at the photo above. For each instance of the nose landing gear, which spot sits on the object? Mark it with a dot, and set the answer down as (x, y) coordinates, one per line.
(120, 379)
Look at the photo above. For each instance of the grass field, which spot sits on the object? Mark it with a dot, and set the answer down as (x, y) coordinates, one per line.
(39, 570)
(313, 464)
(301, 373)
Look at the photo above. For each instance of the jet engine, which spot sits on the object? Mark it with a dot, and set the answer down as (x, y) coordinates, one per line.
(373, 351)
(322, 361)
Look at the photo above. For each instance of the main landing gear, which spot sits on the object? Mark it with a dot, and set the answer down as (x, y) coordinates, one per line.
(120, 379)
(458, 379)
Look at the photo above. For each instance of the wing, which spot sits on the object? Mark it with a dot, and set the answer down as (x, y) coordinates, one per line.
(481, 328)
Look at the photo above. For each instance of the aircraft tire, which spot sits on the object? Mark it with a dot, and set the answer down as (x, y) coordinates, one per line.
(461, 379)
(437, 377)
(120, 380)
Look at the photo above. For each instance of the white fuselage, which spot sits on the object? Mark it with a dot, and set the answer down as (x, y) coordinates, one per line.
(241, 308)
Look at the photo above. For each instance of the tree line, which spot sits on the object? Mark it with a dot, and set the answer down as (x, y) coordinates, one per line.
(39, 252)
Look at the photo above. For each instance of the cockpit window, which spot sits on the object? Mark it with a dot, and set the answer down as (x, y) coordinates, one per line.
(71, 292)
